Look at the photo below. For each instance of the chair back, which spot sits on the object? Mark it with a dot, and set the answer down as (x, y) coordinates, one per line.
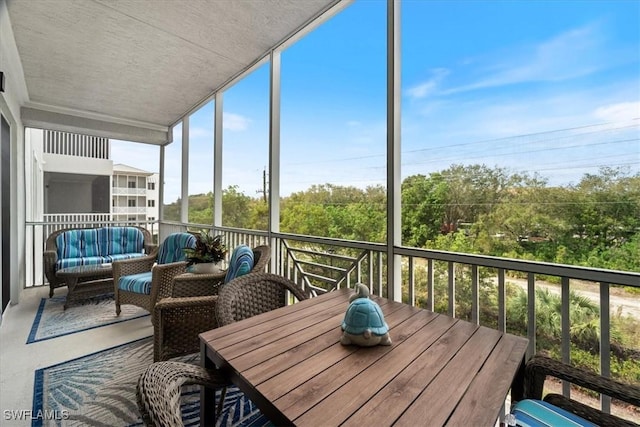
(172, 249)
(240, 263)
(261, 257)
(254, 294)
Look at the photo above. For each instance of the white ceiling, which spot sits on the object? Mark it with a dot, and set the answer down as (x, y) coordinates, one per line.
(147, 62)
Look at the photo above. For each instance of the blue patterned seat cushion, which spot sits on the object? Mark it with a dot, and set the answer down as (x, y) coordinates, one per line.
(537, 413)
(172, 249)
(241, 262)
(138, 283)
(74, 262)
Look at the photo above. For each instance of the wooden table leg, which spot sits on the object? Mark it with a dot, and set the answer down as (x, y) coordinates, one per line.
(207, 395)
(517, 386)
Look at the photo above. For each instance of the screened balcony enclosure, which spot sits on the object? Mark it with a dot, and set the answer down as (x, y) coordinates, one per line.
(463, 168)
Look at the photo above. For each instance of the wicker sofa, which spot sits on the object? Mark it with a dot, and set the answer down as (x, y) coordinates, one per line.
(72, 247)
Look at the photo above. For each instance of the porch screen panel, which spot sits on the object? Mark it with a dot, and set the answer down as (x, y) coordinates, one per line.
(201, 128)
(521, 139)
(245, 151)
(333, 128)
(173, 177)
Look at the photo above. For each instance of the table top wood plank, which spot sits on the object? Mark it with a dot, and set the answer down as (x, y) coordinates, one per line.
(489, 389)
(294, 355)
(258, 334)
(307, 389)
(439, 400)
(287, 342)
(392, 400)
(330, 298)
(258, 341)
(320, 362)
(338, 407)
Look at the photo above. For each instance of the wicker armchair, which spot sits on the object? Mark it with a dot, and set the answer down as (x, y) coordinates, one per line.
(50, 255)
(254, 294)
(159, 388)
(143, 281)
(539, 367)
(189, 308)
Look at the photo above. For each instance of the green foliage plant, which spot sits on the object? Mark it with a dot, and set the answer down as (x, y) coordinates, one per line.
(208, 248)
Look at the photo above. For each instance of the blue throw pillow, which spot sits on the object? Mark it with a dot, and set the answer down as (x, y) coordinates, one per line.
(241, 262)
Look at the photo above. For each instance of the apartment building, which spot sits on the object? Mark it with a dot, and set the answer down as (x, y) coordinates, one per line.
(134, 194)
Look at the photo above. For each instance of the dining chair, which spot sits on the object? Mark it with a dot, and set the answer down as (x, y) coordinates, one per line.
(159, 389)
(143, 281)
(539, 367)
(254, 294)
(189, 308)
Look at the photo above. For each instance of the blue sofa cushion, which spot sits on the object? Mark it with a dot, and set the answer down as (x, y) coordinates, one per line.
(78, 244)
(172, 249)
(120, 240)
(537, 413)
(138, 283)
(74, 262)
(241, 263)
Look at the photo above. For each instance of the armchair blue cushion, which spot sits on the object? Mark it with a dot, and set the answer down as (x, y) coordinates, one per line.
(241, 262)
(171, 250)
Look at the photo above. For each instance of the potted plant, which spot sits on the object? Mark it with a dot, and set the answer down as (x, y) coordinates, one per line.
(207, 254)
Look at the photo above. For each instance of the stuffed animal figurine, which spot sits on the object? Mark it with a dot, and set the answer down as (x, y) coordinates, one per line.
(363, 322)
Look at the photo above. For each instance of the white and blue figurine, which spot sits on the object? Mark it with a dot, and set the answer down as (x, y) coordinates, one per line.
(363, 322)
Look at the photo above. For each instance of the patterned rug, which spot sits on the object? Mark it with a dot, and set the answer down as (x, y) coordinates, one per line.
(53, 321)
(99, 390)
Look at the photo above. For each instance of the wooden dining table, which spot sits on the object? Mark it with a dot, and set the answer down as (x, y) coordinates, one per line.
(438, 371)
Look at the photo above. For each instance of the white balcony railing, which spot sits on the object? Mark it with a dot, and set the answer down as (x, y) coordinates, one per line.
(129, 209)
(126, 191)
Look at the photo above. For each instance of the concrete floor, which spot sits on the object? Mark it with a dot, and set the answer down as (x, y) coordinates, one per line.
(18, 361)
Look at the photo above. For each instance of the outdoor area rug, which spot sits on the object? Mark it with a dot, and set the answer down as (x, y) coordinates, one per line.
(53, 321)
(100, 389)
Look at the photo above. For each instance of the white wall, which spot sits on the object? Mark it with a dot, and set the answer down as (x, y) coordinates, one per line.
(76, 165)
(14, 96)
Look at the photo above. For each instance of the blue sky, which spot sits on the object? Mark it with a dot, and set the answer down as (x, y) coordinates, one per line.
(551, 87)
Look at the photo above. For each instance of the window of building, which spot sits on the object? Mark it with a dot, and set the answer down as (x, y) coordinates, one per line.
(151, 203)
(151, 185)
(131, 203)
(131, 184)
(152, 218)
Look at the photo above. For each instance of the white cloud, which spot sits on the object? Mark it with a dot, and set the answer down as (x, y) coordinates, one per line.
(200, 132)
(618, 112)
(235, 122)
(430, 86)
(574, 53)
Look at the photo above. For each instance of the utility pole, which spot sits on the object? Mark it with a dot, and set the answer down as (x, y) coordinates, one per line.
(264, 185)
